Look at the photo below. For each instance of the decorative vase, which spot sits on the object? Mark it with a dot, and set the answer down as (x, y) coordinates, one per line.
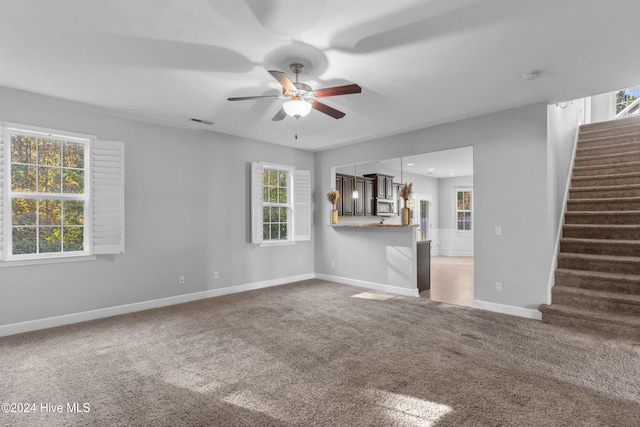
(334, 216)
(405, 216)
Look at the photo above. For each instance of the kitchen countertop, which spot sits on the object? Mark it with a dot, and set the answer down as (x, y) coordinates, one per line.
(374, 225)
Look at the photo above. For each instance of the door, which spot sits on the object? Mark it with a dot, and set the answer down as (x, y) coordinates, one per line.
(422, 215)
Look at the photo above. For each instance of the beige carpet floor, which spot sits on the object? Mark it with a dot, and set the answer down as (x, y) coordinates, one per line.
(309, 354)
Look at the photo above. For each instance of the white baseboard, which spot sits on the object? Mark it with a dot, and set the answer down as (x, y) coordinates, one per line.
(67, 319)
(370, 285)
(508, 309)
(49, 322)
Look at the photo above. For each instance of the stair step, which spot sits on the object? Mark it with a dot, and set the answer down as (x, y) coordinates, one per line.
(630, 178)
(601, 263)
(612, 148)
(600, 246)
(616, 124)
(608, 159)
(602, 231)
(597, 170)
(608, 138)
(603, 218)
(613, 282)
(605, 301)
(589, 321)
(612, 191)
(604, 204)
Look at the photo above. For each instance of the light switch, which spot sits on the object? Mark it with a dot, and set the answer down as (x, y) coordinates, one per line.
(498, 230)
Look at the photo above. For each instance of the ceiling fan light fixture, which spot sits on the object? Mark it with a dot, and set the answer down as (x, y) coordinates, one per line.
(297, 108)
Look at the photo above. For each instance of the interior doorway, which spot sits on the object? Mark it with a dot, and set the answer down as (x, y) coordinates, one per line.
(421, 215)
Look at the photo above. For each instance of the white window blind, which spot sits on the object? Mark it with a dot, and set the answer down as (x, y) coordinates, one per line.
(302, 204)
(107, 190)
(2, 196)
(256, 202)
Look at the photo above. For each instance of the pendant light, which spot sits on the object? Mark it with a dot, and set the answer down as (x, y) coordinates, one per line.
(355, 191)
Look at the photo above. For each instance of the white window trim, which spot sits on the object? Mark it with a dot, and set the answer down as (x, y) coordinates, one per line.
(455, 209)
(91, 249)
(299, 201)
(290, 231)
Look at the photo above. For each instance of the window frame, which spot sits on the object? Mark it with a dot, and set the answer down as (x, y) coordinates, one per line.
(459, 190)
(288, 205)
(37, 132)
(299, 201)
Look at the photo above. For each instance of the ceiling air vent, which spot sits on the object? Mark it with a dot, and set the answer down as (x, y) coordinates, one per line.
(204, 122)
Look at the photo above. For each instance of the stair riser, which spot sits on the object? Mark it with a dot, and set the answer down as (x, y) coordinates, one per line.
(603, 205)
(595, 326)
(601, 150)
(600, 248)
(594, 303)
(577, 193)
(595, 131)
(599, 265)
(607, 160)
(601, 233)
(607, 169)
(597, 283)
(626, 123)
(592, 141)
(631, 217)
(605, 181)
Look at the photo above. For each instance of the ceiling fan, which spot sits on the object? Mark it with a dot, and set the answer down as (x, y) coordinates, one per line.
(301, 98)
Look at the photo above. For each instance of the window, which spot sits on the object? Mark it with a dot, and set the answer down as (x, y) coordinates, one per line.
(626, 97)
(47, 194)
(280, 198)
(464, 208)
(51, 206)
(275, 204)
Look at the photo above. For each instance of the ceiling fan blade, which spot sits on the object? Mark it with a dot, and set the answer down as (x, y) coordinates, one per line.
(283, 79)
(279, 115)
(247, 98)
(338, 90)
(330, 111)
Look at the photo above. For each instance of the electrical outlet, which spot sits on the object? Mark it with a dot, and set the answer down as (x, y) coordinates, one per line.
(498, 230)
(333, 264)
(215, 275)
(498, 286)
(181, 280)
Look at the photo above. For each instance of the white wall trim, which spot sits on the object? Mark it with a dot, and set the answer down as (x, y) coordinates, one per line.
(370, 285)
(508, 309)
(452, 242)
(67, 319)
(556, 247)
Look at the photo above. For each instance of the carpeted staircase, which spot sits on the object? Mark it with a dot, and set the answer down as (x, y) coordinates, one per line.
(597, 283)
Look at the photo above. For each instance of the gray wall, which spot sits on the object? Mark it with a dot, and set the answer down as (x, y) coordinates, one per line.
(562, 124)
(510, 188)
(187, 213)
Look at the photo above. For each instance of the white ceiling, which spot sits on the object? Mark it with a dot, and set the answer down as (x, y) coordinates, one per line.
(419, 62)
(451, 163)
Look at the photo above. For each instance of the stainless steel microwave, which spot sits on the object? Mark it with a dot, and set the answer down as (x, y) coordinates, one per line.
(385, 207)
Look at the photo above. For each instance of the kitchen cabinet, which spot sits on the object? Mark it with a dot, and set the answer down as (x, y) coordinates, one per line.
(364, 202)
(347, 205)
(383, 202)
(383, 185)
(368, 196)
(347, 195)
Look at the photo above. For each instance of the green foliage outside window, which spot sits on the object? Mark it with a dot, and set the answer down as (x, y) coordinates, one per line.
(47, 176)
(275, 210)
